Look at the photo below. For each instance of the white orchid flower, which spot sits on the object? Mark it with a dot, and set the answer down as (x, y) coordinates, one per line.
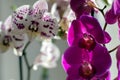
(49, 55)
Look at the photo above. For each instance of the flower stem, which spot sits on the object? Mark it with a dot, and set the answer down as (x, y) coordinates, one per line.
(102, 10)
(26, 61)
(113, 49)
(20, 68)
(45, 74)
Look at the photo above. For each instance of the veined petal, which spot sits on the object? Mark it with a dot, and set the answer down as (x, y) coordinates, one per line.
(93, 27)
(101, 56)
(49, 27)
(39, 8)
(20, 19)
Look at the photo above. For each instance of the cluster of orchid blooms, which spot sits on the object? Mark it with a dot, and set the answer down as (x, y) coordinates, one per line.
(23, 26)
(86, 58)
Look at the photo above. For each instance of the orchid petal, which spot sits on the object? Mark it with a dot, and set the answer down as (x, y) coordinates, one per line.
(101, 56)
(110, 16)
(49, 27)
(20, 19)
(93, 27)
(118, 62)
(39, 8)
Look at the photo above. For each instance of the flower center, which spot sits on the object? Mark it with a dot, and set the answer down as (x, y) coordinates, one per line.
(34, 26)
(87, 42)
(7, 40)
(86, 70)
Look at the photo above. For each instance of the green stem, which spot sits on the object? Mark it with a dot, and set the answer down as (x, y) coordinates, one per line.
(45, 74)
(20, 68)
(113, 49)
(27, 62)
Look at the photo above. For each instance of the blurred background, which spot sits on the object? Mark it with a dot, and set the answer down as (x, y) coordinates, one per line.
(9, 65)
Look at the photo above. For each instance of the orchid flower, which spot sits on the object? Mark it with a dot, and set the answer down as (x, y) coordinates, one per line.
(33, 21)
(113, 15)
(8, 40)
(83, 59)
(49, 55)
(81, 7)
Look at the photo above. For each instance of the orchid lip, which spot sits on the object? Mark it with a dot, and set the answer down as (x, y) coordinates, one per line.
(87, 42)
(87, 70)
(6, 40)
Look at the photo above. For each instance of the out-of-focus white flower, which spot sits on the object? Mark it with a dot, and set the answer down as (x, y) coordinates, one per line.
(31, 20)
(49, 54)
(8, 40)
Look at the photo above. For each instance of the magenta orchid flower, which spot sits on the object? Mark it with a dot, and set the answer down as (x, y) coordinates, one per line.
(81, 7)
(33, 21)
(86, 58)
(49, 55)
(113, 15)
(8, 40)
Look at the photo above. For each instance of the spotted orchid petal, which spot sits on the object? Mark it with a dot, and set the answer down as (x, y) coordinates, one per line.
(49, 54)
(21, 20)
(49, 27)
(39, 8)
(8, 25)
(5, 40)
(18, 44)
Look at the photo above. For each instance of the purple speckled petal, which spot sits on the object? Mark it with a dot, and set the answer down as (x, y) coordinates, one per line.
(101, 59)
(93, 27)
(20, 19)
(8, 24)
(39, 8)
(110, 16)
(49, 27)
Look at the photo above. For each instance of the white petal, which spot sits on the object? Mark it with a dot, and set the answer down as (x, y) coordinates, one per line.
(55, 12)
(8, 24)
(39, 8)
(21, 19)
(49, 27)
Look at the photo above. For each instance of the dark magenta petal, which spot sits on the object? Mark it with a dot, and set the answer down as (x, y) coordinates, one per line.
(107, 38)
(73, 55)
(93, 27)
(80, 7)
(118, 62)
(110, 16)
(74, 32)
(101, 59)
(73, 72)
